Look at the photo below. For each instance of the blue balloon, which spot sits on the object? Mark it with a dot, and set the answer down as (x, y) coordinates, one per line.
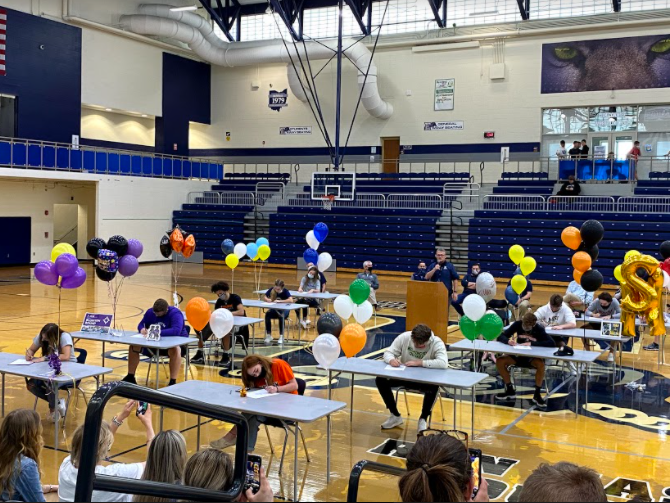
(252, 250)
(320, 232)
(227, 247)
(511, 295)
(262, 241)
(310, 256)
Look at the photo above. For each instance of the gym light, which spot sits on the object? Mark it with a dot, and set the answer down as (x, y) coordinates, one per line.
(108, 109)
(184, 9)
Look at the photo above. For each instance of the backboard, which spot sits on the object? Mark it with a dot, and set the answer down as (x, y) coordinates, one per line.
(342, 186)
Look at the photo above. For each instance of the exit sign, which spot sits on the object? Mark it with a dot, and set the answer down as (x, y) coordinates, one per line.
(489, 135)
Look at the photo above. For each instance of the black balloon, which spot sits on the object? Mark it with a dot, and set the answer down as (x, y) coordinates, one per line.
(665, 249)
(329, 323)
(592, 233)
(593, 251)
(166, 247)
(118, 244)
(104, 275)
(592, 280)
(94, 246)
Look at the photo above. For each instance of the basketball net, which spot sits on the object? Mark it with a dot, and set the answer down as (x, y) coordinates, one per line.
(328, 202)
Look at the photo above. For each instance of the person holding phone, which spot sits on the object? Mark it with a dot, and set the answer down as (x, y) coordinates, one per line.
(278, 294)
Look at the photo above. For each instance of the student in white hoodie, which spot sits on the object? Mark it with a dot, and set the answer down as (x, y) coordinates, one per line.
(418, 348)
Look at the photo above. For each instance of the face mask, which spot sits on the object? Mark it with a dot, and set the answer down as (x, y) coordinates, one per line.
(311, 275)
(263, 373)
(223, 296)
(369, 269)
(475, 272)
(422, 269)
(527, 329)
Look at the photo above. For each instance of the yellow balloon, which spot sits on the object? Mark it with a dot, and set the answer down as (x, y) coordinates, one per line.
(232, 261)
(519, 284)
(517, 253)
(60, 249)
(264, 252)
(528, 265)
(256, 258)
(617, 274)
(630, 254)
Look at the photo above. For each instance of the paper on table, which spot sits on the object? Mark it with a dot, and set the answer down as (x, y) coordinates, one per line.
(397, 369)
(524, 347)
(137, 336)
(21, 361)
(261, 393)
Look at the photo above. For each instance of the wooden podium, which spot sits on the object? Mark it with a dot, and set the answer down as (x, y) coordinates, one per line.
(428, 303)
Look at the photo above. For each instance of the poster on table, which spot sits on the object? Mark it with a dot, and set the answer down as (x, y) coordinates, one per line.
(97, 323)
(444, 94)
(295, 130)
(443, 126)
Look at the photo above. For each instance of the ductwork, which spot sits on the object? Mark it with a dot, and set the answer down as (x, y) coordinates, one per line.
(197, 36)
(189, 18)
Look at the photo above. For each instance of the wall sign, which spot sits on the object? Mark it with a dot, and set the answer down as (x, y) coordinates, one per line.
(278, 100)
(489, 135)
(444, 126)
(444, 94)
(291, 130)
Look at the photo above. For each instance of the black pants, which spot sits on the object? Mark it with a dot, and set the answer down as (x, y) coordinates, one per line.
(274, 314)
(305, 310)
(41, 390)
(385, 387)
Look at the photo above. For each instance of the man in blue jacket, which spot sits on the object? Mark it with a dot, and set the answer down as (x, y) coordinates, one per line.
(171, 321)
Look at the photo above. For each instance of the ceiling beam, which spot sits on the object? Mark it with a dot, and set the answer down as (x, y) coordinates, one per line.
(616, 5)
(524, 9)
(290, 11)
(439, 8)
(359, 9)
(225, 15)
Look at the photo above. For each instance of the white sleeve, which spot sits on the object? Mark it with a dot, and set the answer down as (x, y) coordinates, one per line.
(395, 351)
(542, 314)
(568, 315)
(128, 471)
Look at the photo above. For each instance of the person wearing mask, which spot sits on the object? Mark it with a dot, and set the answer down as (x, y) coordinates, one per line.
(444, 271)
(577, 298)
(469, 283)
(278, 294)
(50, 339)
(69, 469)
(20, 448)
(420, 274)
(562, 153)
(605, 307)
(171, 321)
(563, 483)
(260, 372)
(584, 151)
(576, 151)
(310, 283)
(418, 348)
(322, 280)
(570, 188)
(166, 460)
(371, 279)
(527, 332)
(439, 468)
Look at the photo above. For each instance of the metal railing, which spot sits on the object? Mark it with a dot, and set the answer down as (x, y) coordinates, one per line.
(600, 204)
(268, 190)
(581, 203)
(644, 204)
(514, 203)
(222, 198)
(415, 201)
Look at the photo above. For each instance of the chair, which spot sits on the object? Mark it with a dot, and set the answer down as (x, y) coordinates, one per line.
(154, 356)
(405, 390)
(501, 309)
(287, 425)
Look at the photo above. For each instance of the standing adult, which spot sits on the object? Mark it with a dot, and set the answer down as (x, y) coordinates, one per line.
(634, 156)
(444, 271)
(562, 153)
(575, 152)
(371, 279)
(585, 150)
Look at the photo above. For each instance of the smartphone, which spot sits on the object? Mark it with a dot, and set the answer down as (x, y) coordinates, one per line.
(253, 481)
(141, 408)
(476, 460)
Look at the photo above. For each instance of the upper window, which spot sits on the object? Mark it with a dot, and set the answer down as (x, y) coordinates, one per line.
(603, 119)
(565, 120)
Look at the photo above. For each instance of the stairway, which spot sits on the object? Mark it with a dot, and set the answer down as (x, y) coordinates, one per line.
(257, 222)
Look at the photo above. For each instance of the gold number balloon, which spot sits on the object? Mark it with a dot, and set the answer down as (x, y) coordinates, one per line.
(639, 296)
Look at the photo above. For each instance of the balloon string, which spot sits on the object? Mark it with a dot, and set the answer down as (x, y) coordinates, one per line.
(60, 293)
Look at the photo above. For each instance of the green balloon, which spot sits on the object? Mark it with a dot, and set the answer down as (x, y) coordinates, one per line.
(359, 291)
(468, 328)
(490, 326)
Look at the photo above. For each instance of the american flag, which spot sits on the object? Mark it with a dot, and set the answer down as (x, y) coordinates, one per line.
(3, 41)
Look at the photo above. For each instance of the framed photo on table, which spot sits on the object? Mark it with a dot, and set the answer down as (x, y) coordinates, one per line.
(611, 328)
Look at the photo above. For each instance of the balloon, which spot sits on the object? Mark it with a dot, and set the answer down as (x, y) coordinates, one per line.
(577, 275)
(666, 280)
(329, 323)
(490, 326)
(324, 262)
(344, 307)
(232, 261)
(468, 328)
(135, 248)
(592, 232)
(642, 297)
(571, 238)
(105, 276)
(177, 240)
(665, 249)
(617, 274)
(474, 307)
(227, 247)
(581, 261)
(45, 273)
(264, 252)
(519, 284)
(320, 232)
(666, 265)
(353, 339)
(198, 313)
(591, 280)
(240, 250)
(94, 246)
(310, 256)
(66, 265)
(61, 248)
(108, 261)
(252, 250)
(517, 253)
(74, 281)
(166, 247)
(326, 350)
(511, 296)
(118, 244)
(528, 265)
(312, 242)
(221, 322)
(593, 251)
(631, 254)
(359, 291)
(128, 266)
(262, 241)
(189, 246)
(363, 312)
(486, 286)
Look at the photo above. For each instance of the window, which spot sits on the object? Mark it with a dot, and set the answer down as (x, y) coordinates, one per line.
(613, 119)
(7, 116)
(565, 121)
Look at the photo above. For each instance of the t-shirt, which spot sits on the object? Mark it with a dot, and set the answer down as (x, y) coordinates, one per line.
(447, 275)
(564, 316)
(67, 480)
(283, 295)
(613, 310)
(538, 333)
(282, 374)
(65, 340)
(575, 152)
(585, 151)
(635, 153)
(232, 304)
(529, 288)
(561, 153)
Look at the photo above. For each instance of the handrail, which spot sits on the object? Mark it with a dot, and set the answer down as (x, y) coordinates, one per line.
(88, 480)
(360, 467)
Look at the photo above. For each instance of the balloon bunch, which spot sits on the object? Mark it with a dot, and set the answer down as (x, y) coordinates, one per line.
(326, 348)
(233, 253)
(478, 321)
(181, 243)
(314, 238)
(199, 314)
(584, 242)
(526, 265)
(355, 304)
(665, 265)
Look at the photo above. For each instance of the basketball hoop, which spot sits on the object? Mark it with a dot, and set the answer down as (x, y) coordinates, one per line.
(328, 202)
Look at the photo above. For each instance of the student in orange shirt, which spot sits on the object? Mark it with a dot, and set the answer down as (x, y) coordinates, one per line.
(275, 376)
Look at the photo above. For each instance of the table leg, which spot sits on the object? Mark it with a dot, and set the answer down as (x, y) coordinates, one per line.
(473, 412)
(455, 391)
(58, 418)
(588, 367)
(3, 395)
(330, 388)
(328, 435)
(253, 338)
(579, 378)
(97, 381)
(351, 418)
(103, 358)
(187, 366)
(233, 341)
(162, 414)
(197, 436)
(295, 465)
(158, 364)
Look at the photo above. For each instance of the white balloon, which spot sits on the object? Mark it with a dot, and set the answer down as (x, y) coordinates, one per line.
(221, 322)
(240, 250)
(325, 261)
(666, 280)
(312, 242)
(343, 306)
(326, 350)
(363, 312)
(486, 286)
(474, 307)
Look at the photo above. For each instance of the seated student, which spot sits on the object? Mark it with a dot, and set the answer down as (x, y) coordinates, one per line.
(371, 279)
(418, 348)
(469, 283)
(275, 376)
(280, 295)
(69, 469)
(310, 283)
(523, 303)
(20, 448)
(224, 300)
(50, 337)
(420, 274)
(577, 298)
(166, 461)
(439, 468)
(605, 307)
(323, 280)
(563, 482)
(557, 316)
(527, 332)
(570, 188)
(171, 321)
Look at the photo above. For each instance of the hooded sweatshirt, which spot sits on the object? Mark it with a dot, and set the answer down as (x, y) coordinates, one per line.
(434, 355)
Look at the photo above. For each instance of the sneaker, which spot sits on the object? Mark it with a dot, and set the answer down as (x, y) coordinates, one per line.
(61, 408)
(610, 358)
(224, 361)
(652, 347)
(222, 443)
(198, 359)
(309, 322)
(268, 340)
(573, 368)
(130, 379)
(303, 324)
(423, 426)
(52, 417)
(280, 342)
(509, 394)
(392, 422)
(539, 401)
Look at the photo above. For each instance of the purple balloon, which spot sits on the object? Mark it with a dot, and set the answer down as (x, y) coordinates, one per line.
(45, 273)
(74, 281)
(135, 248)
(128, 266)
(66, 265)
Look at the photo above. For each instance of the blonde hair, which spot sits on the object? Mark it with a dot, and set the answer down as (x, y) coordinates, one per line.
(166, 460)
(209, 469)
(105, 443)
(20, 434)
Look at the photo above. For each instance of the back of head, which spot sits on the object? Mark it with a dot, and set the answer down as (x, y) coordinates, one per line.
(161, 306)
(421, 334)
(529, 320)
(438, 469)
(556, 301)
(20, 434)
(209, 469)
(563, 482)
(105, 442)
(166, 461)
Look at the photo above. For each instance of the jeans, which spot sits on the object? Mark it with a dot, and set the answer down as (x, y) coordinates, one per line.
(273, 314)
(305, 310)
(254, 424)
(458, 303)
(41, 390)
(385, 390)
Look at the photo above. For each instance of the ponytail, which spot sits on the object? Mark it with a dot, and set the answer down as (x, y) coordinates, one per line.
(429, 484)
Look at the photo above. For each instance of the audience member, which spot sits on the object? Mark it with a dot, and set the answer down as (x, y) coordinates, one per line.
(165, 462)
(562, 153)
(420, 274)
(635, 153)
(585, 150)
(310, 283)
(563, 483)
(444, 271)
(577, 298)
(575, 152)
(570, 188)
(469, 284)
(372, 280)
(322, 279)
(280, 295)
(418, 348)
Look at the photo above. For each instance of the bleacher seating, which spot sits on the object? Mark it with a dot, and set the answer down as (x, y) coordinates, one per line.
(409, 183)
(462, 177)
(524, 175)
(656, 186)
(532, 186)
(260, 177)
(246, 182)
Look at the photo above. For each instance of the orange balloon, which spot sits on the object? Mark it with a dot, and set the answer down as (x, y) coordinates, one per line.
(571, 237)
(177, 240)
(352, 339)
(189, 246)
(198, 313)
(581, 261)
(578, 276)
